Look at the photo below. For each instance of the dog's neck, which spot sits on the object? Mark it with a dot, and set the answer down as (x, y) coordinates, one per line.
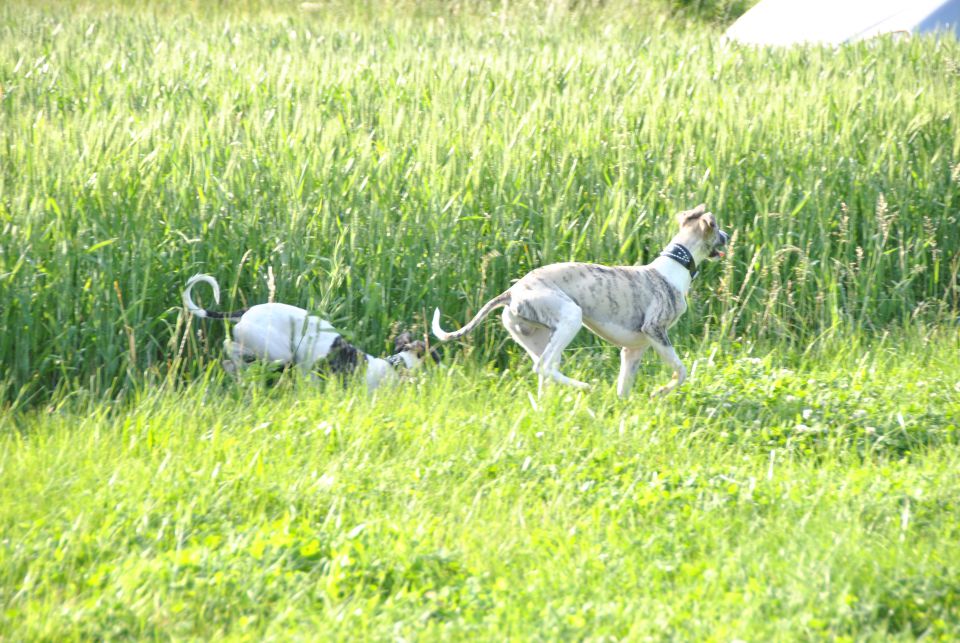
(679, 262)
(403, 359)
(676, 274)
(682, 255)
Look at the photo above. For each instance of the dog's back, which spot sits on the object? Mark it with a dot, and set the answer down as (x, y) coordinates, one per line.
(284, 333)
(629, 297)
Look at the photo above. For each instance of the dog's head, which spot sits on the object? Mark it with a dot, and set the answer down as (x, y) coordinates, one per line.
(413, 350)
(700, 233)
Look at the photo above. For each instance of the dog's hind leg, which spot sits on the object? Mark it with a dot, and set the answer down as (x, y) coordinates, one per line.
(236, 357)
(569, 319)
(532, 336)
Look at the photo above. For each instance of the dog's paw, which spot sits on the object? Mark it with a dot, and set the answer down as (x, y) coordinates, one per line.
(660, 392)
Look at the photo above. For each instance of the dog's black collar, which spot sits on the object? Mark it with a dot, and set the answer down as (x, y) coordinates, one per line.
(681, 255)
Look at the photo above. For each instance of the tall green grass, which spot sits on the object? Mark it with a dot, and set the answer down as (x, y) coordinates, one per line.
(381, 166)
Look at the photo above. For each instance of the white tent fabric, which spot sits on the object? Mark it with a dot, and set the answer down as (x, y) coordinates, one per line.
(787, 22)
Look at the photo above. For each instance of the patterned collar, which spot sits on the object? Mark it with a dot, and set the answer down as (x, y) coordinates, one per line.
(681, 255)
(396, 360)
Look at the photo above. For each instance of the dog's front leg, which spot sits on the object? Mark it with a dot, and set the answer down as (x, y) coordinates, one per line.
(307, 370)
(667, 353)
(629, 363)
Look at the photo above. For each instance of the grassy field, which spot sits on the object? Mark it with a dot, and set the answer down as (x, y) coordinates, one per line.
(377, 160)
(385, 166)
(775, 497)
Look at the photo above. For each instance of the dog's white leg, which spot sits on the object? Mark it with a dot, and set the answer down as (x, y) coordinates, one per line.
(306, 370)
(235, 353)
(669, 355)
(568, 325)
(629, 363)
(533, 337)
(557, 376)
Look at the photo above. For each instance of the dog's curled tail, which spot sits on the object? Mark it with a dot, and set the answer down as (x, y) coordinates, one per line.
(202, 312)
(188, 300)
(442, 335)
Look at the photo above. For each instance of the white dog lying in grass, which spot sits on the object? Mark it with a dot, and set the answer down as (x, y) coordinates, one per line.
(286, 335)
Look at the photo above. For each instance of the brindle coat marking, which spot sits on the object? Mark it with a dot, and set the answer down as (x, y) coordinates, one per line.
(630, 306)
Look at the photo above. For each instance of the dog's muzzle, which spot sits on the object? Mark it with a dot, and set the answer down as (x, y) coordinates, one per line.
(722, 238)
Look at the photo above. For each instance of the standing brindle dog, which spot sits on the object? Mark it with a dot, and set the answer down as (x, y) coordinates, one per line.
(630, 306)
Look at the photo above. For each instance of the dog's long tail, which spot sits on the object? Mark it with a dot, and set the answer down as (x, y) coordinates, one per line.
(500, 300)
(203, 312)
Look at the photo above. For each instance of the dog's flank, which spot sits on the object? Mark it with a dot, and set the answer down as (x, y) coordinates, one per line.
(630, 306)
(288, 336)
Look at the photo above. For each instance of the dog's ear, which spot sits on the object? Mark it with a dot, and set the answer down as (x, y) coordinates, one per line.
(687, 216)
(708, 223)
(401, 341)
